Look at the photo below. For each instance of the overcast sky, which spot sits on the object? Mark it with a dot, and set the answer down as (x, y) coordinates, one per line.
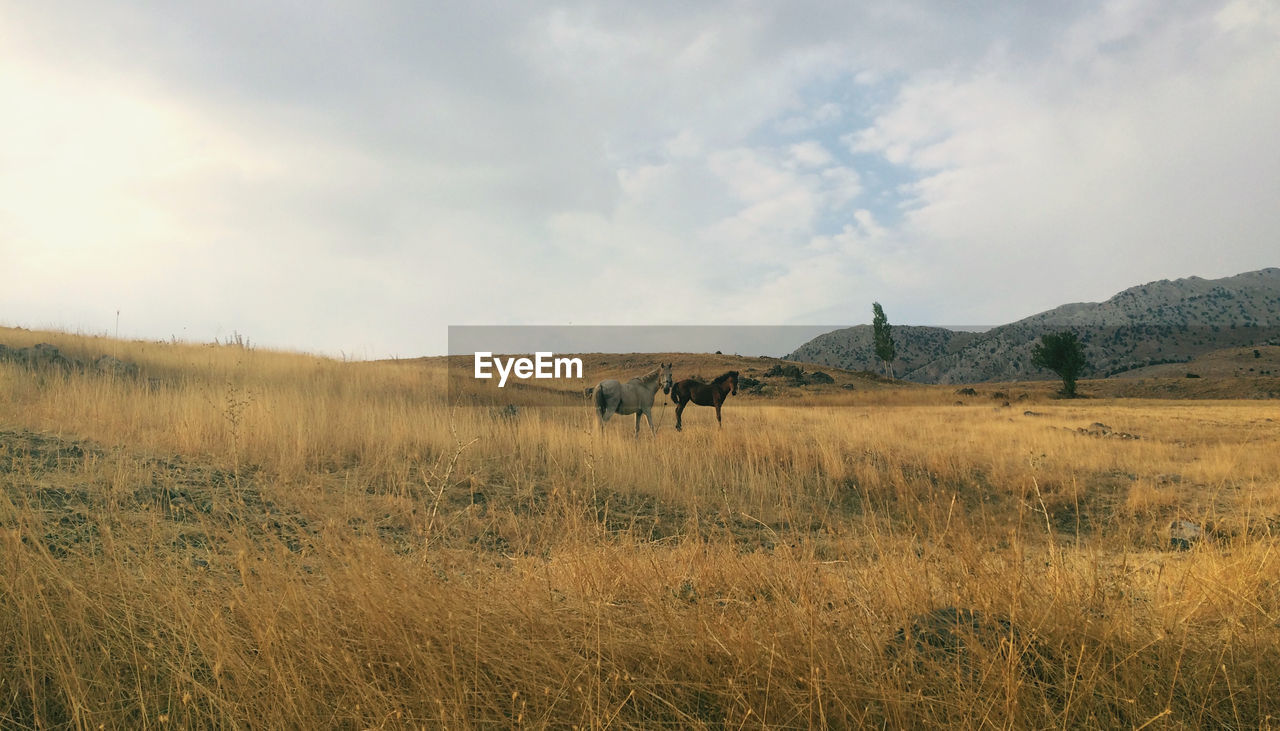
(352, 178)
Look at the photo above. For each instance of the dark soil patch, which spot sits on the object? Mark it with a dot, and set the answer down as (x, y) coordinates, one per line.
(25, 452)
(63, 485)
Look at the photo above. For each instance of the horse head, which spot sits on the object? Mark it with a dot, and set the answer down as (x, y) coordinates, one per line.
(666, 377)
(733, 379)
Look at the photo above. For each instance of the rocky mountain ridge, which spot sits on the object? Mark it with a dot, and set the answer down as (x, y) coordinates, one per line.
(1168, 321)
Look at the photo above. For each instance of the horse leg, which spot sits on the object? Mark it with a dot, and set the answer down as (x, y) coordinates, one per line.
(605, 411)
(638, 413)
(652, 429)
(679, 411)
(718, 422)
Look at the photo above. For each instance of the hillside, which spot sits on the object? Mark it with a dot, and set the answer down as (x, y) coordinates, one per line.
(1159, 322)
(853, 347)
(1246, 362)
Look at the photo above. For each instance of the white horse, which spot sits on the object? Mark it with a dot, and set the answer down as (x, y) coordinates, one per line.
(633, 397)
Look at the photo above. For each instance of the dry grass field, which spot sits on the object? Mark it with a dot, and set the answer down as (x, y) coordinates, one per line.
(239, 538)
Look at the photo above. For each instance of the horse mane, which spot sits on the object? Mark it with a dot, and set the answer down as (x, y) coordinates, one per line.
(653, 374)
(723, 377)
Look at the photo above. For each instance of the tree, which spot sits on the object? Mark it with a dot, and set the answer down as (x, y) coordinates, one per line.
(883, 335)
(1063, 354)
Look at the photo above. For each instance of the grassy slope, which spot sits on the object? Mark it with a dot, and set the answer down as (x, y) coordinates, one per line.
(274, 540)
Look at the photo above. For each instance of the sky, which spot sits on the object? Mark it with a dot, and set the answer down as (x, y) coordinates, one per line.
(351, 179)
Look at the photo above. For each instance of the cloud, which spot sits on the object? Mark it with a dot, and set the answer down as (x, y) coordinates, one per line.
(1140, 146)
(355, 179)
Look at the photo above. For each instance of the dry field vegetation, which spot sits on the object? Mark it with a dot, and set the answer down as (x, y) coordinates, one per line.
(249, 539)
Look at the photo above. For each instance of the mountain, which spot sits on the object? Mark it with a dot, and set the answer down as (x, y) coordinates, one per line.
(1158, 322)
(853, 348)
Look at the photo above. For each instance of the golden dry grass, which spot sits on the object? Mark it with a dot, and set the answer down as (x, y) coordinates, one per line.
(241, 538)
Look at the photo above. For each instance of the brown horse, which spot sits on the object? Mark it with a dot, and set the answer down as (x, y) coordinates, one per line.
(704, 394)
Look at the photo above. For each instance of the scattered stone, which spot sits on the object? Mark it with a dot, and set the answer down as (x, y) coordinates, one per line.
(46, 357)
(1032, 413)
(1098, 429)
(114, 367)
(966, 392)
(1219, 532)
(41, 356)
(1183, 533)
(786, 370)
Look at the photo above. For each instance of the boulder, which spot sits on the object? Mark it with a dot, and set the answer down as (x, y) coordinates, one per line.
(1184, 533)
(114, 367)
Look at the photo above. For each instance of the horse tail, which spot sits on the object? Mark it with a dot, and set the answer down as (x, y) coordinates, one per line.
(601, 401)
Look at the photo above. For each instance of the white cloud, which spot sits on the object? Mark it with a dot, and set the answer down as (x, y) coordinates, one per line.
(358, 178)
(1139, 161)
(809, 154)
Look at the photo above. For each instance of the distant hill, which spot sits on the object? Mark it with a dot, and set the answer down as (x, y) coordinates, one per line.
(1156, 323)
(853, 348)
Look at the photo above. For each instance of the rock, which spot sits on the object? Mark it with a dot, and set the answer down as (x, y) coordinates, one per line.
(112, 366)
(1183, 533)
(1098, 429)
(44, 357)
(966, 392)
(41, 356)
(788, 370)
